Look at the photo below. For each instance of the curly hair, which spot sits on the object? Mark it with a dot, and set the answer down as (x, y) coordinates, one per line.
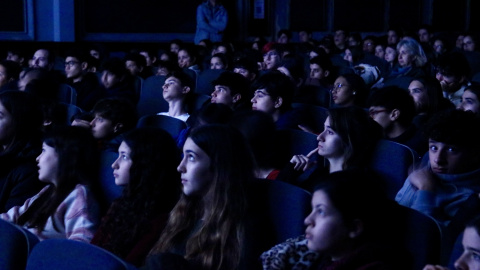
(153, 189)
(217, 241)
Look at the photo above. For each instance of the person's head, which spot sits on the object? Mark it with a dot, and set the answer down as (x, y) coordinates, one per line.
(20, 119)
(293, 66)
(380, 51)
(147, 159)
(440, 45)
(149, 55)
(468, 260)
(391, 54)
(230, 89)
(469, 43)
(114, 73)
(9, 72)
(349, 135)
(349, 90)
(394, 36)
(453, 142)
(425, 33)
(187, 56)
(165, 67)
(369, 43)
(135, 63)
(391, 105)
(43, 58)
(112, 116)
(427, 94)
(346, 213)
(353, 54)
(284, 36)
(459, 41)
(354, 39)
(471, 99)
(30, 74)
(175, 45)
(410, 53)
(340, 38)
(273, 93)
(452, 71)
(272, 56)
(219, 61)
(178, 86)
(305, 36)
(76, 64)
(69, 157)
(246, 67)
(321, 67)
(16, 55)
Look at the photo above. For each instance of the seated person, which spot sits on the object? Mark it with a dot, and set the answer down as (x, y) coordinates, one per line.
(247, 68)
(452, 73)
(345, 229)
(453, 171)
(78, 76)
(137, 65)
(112, 117)
(231, 89)
(9, 72)
(178, 92)
(393, 108)
(273, 94)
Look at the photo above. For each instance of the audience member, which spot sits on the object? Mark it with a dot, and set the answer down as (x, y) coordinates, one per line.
(207, 227)
(349, 90)
(66, 207)
(146, 168)
(136, 64)
(9, 72)
(231, 89)
(212, 20)
(452, 71)
(177, 91)
(470, 99)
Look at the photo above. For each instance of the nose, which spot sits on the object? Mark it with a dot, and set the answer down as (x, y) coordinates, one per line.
(308, 220)
(439, 157)
(92, 123)
(115, 164)
(253, 100)
(321, 136)
(181, 166)
(214, 93)
(460, 263)
(439, 76)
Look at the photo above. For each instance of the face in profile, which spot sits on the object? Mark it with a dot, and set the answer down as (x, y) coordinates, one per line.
(405, 58)
(110, 80)
(329, 142)
(121, 166)
(262, 101)
(419, 93)
(223, 94)
(390, 54)
(195, 169)
(6, 126)
(342, 92)
(216, 63)
(470, 258)
(326, 231)
(184, 59)
(101, 127)
(47, 163)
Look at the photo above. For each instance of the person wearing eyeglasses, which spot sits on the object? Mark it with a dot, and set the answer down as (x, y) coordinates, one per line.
(76, 71)
(452, 71)
(394, 109)
(349, 90)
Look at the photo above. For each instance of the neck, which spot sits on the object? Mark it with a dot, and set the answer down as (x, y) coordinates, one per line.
(335, 164)
(176, 108)
(395, 131)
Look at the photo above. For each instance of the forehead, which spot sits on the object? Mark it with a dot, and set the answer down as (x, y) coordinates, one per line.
(70, 58)
(415, 84)
(315, 66)
(341, 80)
(171, 78)
(41, 53)
(124, 147)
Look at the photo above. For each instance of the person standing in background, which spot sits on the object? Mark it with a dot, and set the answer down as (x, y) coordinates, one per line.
(211, 21)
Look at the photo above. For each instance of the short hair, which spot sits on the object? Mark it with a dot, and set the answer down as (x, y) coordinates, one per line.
(115, 66)
(323, 61)
(184, 79)
(414, 48)
(236, 82)
(455, 127)
(277, 85)
(393, 97)
(118, 110)
(453, 64)
(80, 54)
(12, 69)
(137, 58)
(247, 64)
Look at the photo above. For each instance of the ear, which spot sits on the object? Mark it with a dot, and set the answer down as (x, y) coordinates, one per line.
(185, 89)
(117, 128)
(357, 229)
(236, 98)
(326, 73)
(354, 92)
(394, 114)
(278, 102)
(84, 65)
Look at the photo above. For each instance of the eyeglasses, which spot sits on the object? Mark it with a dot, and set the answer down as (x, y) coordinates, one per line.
(71, 63)
(337, 87)
(372, 113)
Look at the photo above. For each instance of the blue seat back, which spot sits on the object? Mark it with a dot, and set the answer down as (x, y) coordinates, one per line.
(151, 96)
(16, 245)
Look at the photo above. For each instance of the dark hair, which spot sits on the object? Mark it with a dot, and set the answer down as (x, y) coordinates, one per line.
(153, 189)
(115, 66)
(357, 195)
(78, 163)
(218, 242)
(225, 58)
(393, 97)
(12, 69)
(358, 85)
(359, 134)
(474, 87)
(236, 82)
(139, 59)
(287, 32)
(247, 64)
(184, 79)
(474, 224)
(455, 127)
(192, 51)
(453, 64)
(26, 116)
(276, 84)
(118, 110)
(79, 53)
(436, 101)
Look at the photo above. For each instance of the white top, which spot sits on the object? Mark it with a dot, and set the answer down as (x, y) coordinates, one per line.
(182, 117)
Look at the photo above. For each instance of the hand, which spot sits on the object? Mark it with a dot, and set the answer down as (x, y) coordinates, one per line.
(423, 179)
(434, 267)
(302, 162)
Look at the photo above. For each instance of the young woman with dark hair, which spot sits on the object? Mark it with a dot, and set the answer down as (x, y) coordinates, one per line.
(146, 167)
(207, 226)
(66, 207)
